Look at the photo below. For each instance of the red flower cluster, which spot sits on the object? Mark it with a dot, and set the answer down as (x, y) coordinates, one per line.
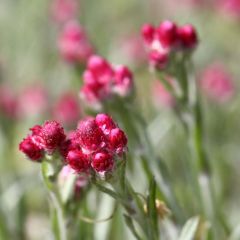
(167, 38)
(46, 138)
(95, 144)
(102, 81)
(74, 45)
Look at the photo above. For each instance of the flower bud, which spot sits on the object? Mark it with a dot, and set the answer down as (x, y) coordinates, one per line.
(167, 33)
(31, 150)
(78, 161)
(105, 122)
(148, 32)
(90, 136)
(102, 161)
(53, 135)
(158, 59)
(187, 36)
(117, 140)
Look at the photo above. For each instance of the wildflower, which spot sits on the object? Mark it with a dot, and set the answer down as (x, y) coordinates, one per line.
(64, 10)
(31, 150)
(102, 161)
(78, 161)
(74, 45)
(117, 140)
(217, 83)
(67, 109)
(103, 81)
(105, 122)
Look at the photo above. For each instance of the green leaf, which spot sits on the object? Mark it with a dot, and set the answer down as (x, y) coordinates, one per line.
(189, 230)
(55, 224)
(151, 209)
(131, 226)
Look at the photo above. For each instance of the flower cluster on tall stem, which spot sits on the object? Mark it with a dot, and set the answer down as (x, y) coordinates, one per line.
(103, 81)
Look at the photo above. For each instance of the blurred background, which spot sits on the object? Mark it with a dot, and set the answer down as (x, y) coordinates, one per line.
(36, 83)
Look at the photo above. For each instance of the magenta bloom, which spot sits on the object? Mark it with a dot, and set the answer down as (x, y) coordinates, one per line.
(30, 149)
(78, 161)
(64, 10)
(118, 140)
(105, 122)
(217, 83)
(102, 161)
(165, 39)
(8, 103)
(74, 45)
(67, 109)
(33, 101)
(90, 136)
(230, 7)
(103, 81)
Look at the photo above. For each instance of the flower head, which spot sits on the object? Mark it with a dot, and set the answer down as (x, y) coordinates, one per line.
(30, 149)
(102, 161)
(74, 45)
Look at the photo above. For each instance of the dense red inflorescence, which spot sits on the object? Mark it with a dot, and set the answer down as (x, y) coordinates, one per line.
(165, 39)
(93, 146)
(103, 81)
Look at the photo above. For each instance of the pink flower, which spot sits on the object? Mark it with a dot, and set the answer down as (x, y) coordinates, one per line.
(67, 109)
(52, 134)
(78, 161)
(167, 33)
(123, 81)
(33, 101)
(230, 7)
(166, 39)
(74, 45)
(8, 102)
(217, 83)
(64, 10)
(105, 122)
(187, 36)
(102, 161)
(161, 95)
(90, 136)
(31, 150)
(118, 140)
(103, 81)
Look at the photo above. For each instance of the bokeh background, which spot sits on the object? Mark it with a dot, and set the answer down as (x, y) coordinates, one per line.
(34, 76)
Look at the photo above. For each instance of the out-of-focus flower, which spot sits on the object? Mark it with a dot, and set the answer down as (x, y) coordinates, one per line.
(230, 7)
(161, 96)
(162, 41)
(67, 109)
(8, 102)
(64, 10)
(33, 101)
(74, 44)
(103, 81)
(217, 83)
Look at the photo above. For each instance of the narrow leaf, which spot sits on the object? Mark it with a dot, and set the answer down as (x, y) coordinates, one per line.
(189, 230)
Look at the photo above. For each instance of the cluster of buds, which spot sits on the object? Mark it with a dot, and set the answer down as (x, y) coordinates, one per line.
(166, 39)
(74, 44)
(95, 145)
(103, 81)
(43, 139)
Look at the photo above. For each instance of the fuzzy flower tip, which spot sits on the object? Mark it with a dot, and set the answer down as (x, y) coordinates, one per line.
(165, 39)
(96, 144)
(103, 81)
(43, 139)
